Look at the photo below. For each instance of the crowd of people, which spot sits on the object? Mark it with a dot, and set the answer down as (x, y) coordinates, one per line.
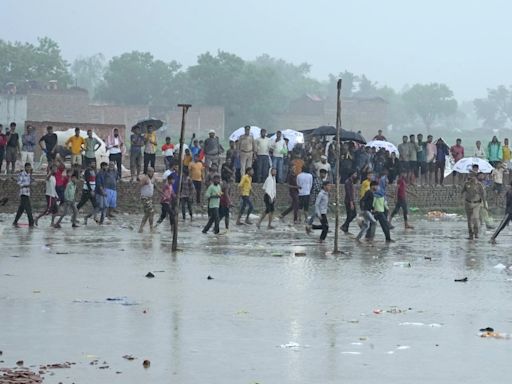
(210, 174)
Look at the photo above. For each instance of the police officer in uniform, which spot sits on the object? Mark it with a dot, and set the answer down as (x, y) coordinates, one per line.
(474, 196)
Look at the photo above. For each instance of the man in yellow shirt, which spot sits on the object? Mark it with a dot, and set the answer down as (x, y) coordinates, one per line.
(75, 144)
(365, 185)
(196, 173)
(506, 153)
(245, 186)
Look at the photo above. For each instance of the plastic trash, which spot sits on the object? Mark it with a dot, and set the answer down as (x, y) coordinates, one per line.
(291, 345)
(463, 280)
(209, 278)
(403, 264)
(150, 275)
(402, 347)
(500, 266)
(350, 353)
(146, 364)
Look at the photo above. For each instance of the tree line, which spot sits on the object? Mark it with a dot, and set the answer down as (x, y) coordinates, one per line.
(251, 91)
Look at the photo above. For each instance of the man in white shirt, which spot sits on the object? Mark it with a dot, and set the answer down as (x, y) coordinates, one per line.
(322, 164)
(431, 155)
(479, 151)
(305, 184)
(262, 147)
(279, 149)
(51, 196)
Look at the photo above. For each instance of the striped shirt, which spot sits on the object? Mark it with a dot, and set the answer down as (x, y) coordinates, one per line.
(24, 181)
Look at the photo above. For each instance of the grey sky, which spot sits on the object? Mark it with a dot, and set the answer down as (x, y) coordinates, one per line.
(396, 42)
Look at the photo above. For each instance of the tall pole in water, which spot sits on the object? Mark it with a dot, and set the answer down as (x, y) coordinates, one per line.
(338, 162)
(184, 108)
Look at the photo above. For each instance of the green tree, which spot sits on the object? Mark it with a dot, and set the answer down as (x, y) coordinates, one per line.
(88, 71)
(137, 78)
(348, 87)
(430, 102)
(496, 109)
(21, 63)
(366, 88)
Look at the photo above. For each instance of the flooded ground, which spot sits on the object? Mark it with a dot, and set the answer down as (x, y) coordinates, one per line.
(278, 309)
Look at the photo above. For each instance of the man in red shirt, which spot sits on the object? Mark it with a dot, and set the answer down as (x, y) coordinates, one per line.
(457, 151)
(401, 201)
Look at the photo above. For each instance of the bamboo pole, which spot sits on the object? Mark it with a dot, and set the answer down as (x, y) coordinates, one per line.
(336, 249)
(184, 108)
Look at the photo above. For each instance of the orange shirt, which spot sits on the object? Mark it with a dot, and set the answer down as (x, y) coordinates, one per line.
(196, 171)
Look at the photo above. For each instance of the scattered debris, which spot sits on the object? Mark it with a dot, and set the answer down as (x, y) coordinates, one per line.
(463, 280)
(488, 329)
(493, 335)
(146, 364)
(428, 258)
(432, 325)
(129, 357)
(19, 363)
(403, 264)
(150, 275)
(57, 366)
(500, 266)
(19, 376)
(209, 278)
(62, 253)
(300, 254)
(402, 347)
(350, 353)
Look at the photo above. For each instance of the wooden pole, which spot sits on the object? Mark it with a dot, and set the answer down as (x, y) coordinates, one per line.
(184, 108)
(338, 162)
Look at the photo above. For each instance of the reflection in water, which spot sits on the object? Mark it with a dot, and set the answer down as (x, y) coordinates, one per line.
(269, 288)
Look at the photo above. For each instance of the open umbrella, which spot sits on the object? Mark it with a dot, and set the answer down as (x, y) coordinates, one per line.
(390, 147)
(143, 124)
(294, 137)
(352, 136)
(465, 164)
(255, 132)
(324, 130)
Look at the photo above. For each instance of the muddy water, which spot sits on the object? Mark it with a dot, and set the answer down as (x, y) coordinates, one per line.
(279, 309)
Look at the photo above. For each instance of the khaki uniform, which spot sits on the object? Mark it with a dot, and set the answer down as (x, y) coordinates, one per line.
(246, 148)
(474, 197)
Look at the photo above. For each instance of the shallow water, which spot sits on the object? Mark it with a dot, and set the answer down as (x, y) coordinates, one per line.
(268, 316)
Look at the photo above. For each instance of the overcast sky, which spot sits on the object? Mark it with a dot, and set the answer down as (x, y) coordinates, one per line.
(464, 43)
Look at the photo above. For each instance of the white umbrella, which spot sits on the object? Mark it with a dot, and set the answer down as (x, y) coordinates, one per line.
(255, 132)
(390, 147)
(294, 137)
(464, 165)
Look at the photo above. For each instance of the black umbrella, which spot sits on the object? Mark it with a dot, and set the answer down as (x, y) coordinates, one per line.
(143, 124)
(352, 136)
(324, 130)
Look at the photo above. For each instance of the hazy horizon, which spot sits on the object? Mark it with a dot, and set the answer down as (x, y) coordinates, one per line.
(394, 43)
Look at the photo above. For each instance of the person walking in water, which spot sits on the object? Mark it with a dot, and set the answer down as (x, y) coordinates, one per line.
(146, 197)
(270, 188)
(401, 201)
(321, 207)
(350, 204)
(245, 186)
(474, 195)
(213, 195)
(508, 215)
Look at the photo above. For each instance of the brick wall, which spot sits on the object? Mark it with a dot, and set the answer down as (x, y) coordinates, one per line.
(428, 198)
(60, 105)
